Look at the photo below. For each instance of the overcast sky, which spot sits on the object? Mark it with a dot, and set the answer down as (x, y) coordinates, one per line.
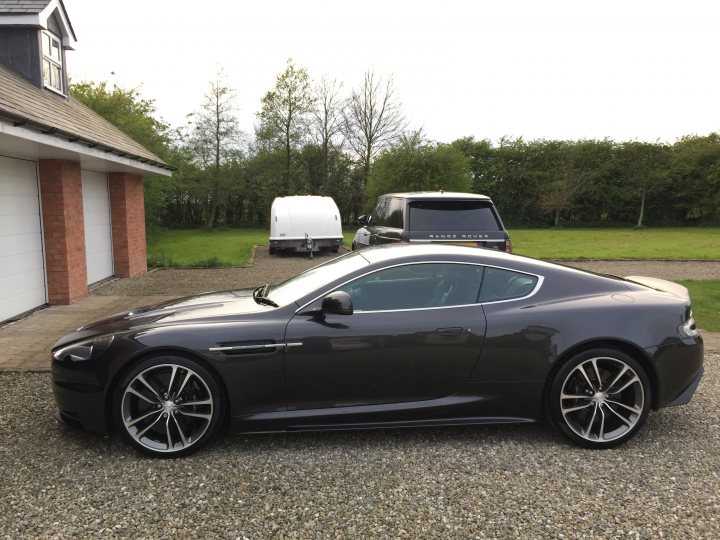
(538, 69)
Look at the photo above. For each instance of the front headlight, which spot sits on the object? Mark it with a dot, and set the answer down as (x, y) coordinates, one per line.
(83, 350)
(688, 329)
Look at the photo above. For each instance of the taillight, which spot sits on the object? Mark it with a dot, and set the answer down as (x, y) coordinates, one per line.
(508, 246)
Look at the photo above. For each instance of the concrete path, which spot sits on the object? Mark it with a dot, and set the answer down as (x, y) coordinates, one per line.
(25, 344)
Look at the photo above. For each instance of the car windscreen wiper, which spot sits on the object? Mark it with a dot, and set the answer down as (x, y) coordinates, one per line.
(260, 298)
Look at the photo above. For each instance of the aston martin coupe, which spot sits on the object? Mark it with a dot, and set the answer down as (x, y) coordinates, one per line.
(394, 336)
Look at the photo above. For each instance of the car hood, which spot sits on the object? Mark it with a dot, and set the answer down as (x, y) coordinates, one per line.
(203, 307)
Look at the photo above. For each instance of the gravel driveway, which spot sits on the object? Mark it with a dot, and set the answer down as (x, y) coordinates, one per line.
(493, 481)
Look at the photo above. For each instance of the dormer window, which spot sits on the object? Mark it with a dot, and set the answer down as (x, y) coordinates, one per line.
(52, 62)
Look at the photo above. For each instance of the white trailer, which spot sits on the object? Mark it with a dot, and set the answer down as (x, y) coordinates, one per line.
(305, 223)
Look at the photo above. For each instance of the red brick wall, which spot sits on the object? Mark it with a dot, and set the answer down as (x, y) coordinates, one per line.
(127, 212)
(64, 230)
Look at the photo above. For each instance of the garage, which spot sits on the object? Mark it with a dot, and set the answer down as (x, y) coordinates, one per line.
(22, 271)
(98, 229)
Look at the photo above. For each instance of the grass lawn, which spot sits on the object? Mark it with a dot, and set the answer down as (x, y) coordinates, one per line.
(671, 243)
(200, 247)
(705, 297)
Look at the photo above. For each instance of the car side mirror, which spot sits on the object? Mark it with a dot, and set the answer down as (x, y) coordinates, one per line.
(362, 221)
(338, 303)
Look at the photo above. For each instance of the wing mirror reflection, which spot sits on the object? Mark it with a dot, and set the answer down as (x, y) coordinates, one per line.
(362, 221)
(338, 303)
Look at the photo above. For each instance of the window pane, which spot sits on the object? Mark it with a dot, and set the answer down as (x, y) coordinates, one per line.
(55, 50)
(46, 72)
(46, 44)
(416, 286)
(56, 78)
(456, 216)
(500, 284)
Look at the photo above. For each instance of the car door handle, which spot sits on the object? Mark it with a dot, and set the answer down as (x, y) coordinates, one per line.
(451, 330)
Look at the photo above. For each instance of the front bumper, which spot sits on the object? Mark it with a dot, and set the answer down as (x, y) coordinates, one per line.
(80, 400)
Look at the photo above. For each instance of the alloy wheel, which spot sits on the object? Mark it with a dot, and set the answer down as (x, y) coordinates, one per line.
(602, 399)
(167, 408)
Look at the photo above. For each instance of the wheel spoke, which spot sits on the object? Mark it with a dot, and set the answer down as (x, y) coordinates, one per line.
(147, 384)
(167, 430)
(572, 409)
(628, 407)
(143, 417)
(147, 428)
(138, 394)
(195, 414)
(616, 379)
(597, 372)
(581, 369)
(624, 386)
(592, 419)
(601, 434)
(185, 380)
(180, 431)
(191, 403)
(620, 416)
(170, 384)
(573, 396)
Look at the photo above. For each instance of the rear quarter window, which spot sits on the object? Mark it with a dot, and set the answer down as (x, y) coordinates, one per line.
(499, 284)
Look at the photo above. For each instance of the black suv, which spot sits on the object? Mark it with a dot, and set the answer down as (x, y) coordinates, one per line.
(433, 216)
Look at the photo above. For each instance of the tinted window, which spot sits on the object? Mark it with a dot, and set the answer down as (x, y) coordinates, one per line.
(452, 216)
(396, 211)
(500, 284)
(416, 286)
(381, 212)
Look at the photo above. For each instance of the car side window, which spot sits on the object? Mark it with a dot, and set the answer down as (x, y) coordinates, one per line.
(501, 284)
(416, 286)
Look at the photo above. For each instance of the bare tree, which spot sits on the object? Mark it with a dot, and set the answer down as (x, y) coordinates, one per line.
(372, 119)
(327, 119)
(215, 139)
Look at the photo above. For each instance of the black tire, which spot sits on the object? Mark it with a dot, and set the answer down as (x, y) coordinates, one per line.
(622, 398)
(184, 402)
(272, 251)
(353, 247)
(335, 249)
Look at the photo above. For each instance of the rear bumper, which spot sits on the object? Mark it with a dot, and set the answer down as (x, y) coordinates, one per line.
(687, 394)
(301, 243)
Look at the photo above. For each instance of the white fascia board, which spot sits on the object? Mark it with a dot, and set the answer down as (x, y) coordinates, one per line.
(81, 149)
(67, 38)
(25, 19)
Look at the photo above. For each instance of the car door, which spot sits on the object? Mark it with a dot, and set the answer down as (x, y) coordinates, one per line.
(416, 333)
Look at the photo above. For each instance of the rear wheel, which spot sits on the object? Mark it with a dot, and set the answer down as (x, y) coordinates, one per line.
(272, 251)
(600, 398)
(168, 406)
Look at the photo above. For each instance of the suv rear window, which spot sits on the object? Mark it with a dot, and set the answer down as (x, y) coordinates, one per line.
(452, 216)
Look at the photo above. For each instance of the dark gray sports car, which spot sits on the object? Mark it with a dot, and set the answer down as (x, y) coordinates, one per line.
(408, 335)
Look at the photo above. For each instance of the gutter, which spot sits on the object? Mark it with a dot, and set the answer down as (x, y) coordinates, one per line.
(20, 121)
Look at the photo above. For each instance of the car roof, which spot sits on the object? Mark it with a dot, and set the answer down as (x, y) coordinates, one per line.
(422, 252)
(421, 195)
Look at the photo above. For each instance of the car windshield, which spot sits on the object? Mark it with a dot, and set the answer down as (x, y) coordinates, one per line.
(311, 280)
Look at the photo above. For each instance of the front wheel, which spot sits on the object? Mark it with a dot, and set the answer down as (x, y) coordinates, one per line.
(168, 406)
(600, 398)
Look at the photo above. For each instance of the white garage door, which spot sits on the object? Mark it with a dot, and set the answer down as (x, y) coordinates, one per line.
(22, 272)
(98, 231)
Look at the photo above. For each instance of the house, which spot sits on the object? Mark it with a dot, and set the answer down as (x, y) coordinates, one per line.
(71, 184)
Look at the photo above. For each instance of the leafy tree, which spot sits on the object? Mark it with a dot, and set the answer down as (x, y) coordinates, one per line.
(372, 120)
(694, 170)
(414, 164)
(129, 111)
(645, 167)
(214, 141)
(284, 115)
